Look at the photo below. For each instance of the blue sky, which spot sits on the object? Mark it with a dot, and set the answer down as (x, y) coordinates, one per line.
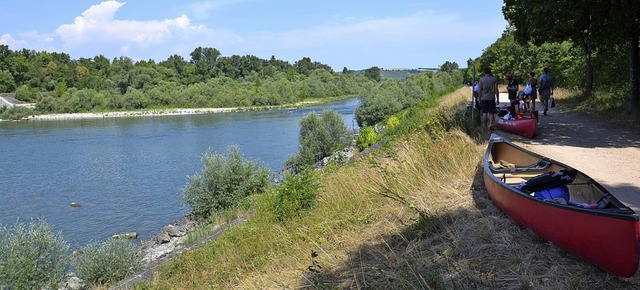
(352, 34)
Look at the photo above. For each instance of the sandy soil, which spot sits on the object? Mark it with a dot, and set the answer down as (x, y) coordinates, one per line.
(607, 153)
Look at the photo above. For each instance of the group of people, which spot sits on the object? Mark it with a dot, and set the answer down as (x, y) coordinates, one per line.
(520, 102)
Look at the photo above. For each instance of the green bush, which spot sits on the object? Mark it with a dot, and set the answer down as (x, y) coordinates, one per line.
(295, 194)
(320, 136)
(32, 256)
(102, 263)
(376, 108)
(16, 113)
(392, 122)
(223, 182)
(366, 138)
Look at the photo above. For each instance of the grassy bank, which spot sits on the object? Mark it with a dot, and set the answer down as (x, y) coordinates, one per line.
(413, 215)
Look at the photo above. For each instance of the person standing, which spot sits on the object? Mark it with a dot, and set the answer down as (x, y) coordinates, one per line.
(489, 97)
(533, 82)
(546, 89)
(512, 87)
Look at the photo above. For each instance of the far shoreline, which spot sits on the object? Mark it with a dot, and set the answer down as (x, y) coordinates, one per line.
(164, 112)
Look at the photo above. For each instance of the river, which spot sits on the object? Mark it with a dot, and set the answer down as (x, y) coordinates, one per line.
(127, 173)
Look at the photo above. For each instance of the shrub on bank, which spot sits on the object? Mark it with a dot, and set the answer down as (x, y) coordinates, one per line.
(101, 263)
(32, 256)
(224, 182)
(295, 194)
(366, 138)
(16, 113)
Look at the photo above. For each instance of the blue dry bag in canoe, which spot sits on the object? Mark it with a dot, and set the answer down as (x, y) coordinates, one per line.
(561, 191)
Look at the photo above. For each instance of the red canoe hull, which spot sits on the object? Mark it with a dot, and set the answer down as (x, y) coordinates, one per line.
(524, 127)
(609, 239)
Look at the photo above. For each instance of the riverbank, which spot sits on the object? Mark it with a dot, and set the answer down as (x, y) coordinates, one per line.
(166, 112)
(145, 113)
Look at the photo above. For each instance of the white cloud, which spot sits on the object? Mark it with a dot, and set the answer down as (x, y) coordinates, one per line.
(98, 24)
(29, 40)
(8, 40)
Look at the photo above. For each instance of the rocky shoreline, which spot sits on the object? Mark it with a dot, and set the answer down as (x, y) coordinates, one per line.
(164, 112)
(168, 244)
(159, 248)
(161, 112)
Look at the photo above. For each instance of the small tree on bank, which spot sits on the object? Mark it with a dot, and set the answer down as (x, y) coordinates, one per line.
(320, 136)
(223, 182)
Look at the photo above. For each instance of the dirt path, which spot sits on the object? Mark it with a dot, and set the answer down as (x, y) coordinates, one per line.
(607, 153)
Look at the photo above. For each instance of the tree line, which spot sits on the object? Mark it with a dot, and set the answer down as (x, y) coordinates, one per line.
(59, 84)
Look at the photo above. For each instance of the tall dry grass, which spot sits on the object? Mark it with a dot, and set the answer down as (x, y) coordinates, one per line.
(415, 216)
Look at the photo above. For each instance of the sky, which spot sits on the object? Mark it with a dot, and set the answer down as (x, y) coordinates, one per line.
(345, 33)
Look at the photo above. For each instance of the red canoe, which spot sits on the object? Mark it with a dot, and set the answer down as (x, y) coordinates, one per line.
(526, 126)
(591, 224)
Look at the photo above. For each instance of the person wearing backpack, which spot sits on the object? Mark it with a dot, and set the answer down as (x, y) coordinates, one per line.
(546, 89)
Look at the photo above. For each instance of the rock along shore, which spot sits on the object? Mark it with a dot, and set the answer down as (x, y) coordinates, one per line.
(161, 112)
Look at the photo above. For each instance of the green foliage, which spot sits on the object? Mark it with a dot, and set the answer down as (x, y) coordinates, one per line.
(376, 108)
(224, 182)
(7, 84)
(103, 263)
(366, 138)
(26, 94)
(207, 80)
(295, 194)
(392, 122)
(392, 96)
(61, 88)
(373, 73)
(320, 136)
(15, 113)
(32, 256)
(448, 66)
(564, 59)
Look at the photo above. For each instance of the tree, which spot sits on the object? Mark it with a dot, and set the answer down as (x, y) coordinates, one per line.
(373, 73)
(205, 60)
(122, 66)
(304, 66)
(448, 66)
(7, 84)
(625, 22)
(320, 136)
(555, 21)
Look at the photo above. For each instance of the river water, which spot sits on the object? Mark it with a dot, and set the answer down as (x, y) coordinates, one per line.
(127, 173)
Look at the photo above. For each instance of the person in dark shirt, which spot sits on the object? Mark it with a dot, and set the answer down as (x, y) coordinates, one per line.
(512, 87)
(546, 89)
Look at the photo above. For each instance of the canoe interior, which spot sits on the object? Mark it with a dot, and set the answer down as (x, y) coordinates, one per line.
(582, 190)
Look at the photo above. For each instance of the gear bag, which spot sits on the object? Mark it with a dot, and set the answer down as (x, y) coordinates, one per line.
(548, 180)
